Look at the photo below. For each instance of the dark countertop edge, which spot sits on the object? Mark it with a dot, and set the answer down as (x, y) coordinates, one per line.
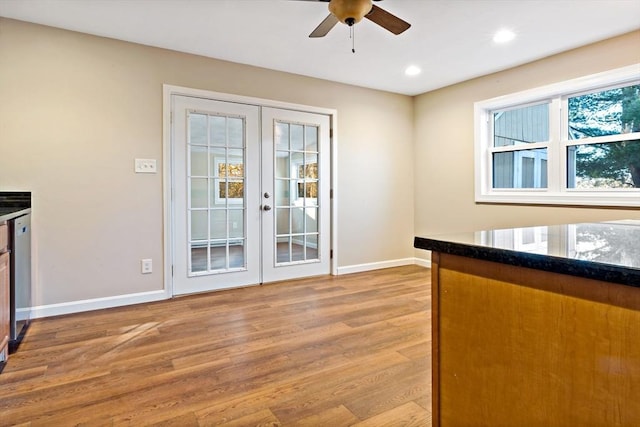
(574, 267)
(18, 212)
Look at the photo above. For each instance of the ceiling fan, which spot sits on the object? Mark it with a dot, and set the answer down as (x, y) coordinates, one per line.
(350, 12)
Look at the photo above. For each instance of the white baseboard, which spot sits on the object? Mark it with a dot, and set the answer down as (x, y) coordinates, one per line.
(96, 304)
(383, 264)
(142, 297)
(423, 262)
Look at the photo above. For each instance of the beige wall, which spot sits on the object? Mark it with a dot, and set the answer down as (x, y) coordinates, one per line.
(75, 110)
(444, 162)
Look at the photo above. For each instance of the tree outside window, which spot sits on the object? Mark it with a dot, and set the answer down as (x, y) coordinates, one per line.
(606, 115)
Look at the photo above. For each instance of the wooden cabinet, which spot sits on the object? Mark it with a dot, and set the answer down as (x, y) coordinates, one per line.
(4, 295)
(514, 346)
(4, 237)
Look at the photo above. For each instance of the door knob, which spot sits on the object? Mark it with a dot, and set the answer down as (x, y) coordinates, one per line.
(266, 207)
(267, 195)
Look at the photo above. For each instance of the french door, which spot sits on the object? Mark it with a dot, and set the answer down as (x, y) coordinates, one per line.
(251, 197)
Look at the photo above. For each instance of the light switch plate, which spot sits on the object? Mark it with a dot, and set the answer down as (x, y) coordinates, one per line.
(146, 266)
(146, 166)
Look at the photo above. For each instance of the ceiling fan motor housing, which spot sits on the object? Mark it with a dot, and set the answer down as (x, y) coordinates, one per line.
(350, 11)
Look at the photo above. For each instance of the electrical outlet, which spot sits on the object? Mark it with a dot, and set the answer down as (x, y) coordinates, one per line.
(147, 266)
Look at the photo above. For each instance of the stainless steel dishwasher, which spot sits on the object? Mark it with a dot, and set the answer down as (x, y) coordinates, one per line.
(4, 293)
(20, 282)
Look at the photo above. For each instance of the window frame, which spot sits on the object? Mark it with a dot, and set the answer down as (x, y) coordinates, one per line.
(557, 192)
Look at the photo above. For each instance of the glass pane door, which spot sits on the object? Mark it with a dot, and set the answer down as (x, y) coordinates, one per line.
(216, 186)
(216, 165)
(296, 172)
(296, 192)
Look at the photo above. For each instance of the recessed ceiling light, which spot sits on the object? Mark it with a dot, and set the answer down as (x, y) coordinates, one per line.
(504, 36)
(412, 70)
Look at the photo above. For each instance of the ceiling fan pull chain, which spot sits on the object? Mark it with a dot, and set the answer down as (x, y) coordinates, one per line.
(352, 35)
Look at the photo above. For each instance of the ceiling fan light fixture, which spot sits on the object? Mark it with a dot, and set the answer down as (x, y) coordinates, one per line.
(350, 12)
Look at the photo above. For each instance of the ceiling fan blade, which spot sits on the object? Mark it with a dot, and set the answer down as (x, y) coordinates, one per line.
(387, 20)
(325, 26)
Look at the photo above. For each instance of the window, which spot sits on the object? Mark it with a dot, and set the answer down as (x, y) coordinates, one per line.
(307, 176)
(230, 180)
(573, 143)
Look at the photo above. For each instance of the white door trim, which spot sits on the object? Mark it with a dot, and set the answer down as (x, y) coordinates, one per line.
(167, 169)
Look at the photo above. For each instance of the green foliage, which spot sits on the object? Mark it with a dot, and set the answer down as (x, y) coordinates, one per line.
(610, 112)
(630, 117)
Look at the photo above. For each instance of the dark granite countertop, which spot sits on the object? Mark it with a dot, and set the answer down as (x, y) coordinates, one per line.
(607, 251)
(7, 213)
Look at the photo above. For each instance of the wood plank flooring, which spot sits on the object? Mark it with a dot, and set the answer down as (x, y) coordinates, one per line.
(350, 350)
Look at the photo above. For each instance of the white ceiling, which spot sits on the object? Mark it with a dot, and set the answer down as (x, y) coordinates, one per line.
(451, 40)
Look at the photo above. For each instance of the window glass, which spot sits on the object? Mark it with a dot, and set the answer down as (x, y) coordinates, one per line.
(217, 186)
(197, 129)
(606, 112)
(282, 164)
(236, 129)
(199, 193)
(198, 164)
(520, 169)
(218, 126)
(282, 136)
(233, 189)
(216, 157)
(236, 223)
(199, 225)
(604, 166)
(311, 138)
(521, 125)
(218, 224)
(283, 221)
(297, 137)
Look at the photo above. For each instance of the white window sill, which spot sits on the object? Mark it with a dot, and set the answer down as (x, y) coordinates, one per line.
(628, 199)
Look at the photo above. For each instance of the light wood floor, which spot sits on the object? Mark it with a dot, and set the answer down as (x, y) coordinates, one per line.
(350, 350)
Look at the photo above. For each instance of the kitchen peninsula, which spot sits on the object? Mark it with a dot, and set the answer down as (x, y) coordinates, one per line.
(537, 326)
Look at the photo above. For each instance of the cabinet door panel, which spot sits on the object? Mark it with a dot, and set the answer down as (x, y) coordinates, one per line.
(4, 237)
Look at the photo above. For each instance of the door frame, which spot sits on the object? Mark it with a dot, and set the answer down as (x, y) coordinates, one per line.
(168, 171)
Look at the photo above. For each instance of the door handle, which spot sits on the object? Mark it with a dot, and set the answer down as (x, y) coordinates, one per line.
(266, 207)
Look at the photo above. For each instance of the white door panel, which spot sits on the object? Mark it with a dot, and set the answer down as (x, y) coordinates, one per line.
(216, 210)
(295, 176)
